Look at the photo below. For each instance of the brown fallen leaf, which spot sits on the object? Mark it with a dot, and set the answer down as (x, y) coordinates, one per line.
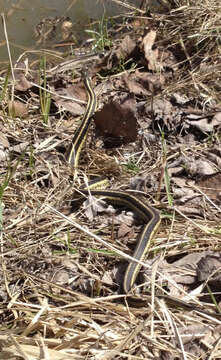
(19, 148)
(93, 206)
(21, 77)
(123, 52)
(209, 269)
(126, 48)
(163, 110)
(190, 336)
(118, 119)
(3, 140)
(201, 168)
(211, 186)
(61, 277)
(205, 125)
(196, 167)
(214, 155)
(123, 231)
(135, 86)
(143, 83)
(17, 109)
(182, 194)
(108, 278)
(151, 54)
(191, 210)
(71, 91)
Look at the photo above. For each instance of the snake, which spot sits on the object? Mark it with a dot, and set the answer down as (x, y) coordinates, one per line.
(149, 214)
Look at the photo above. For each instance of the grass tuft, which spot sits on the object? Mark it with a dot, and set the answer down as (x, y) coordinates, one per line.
(45, 96)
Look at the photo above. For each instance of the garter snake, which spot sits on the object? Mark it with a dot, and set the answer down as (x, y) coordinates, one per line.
(150, 215)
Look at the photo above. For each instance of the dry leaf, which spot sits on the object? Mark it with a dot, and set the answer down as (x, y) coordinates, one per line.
(93, 206)
(209, 269)
(143, 83)
(118, 119)
(61, 277)
(61, 88)
(3, 140)
(163, 111)
(127, 46)
(151, 54)
(18, 109)
(205, 125)
(200, 167)
(211, 186)
(123, 231)
(20, 74)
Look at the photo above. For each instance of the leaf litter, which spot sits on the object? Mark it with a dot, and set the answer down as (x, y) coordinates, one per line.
(159, 108)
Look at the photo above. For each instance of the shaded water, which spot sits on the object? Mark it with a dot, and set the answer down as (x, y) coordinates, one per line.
(22, 16)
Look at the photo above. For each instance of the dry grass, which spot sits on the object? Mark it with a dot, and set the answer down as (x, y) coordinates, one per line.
(194, 29)
(59, 300)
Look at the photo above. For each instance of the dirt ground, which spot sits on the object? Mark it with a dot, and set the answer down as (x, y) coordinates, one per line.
(155, 135)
